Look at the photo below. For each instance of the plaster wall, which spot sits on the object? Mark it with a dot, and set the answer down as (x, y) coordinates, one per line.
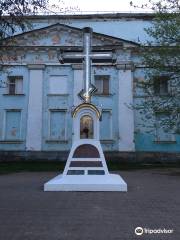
(34, 118)
(132, 30)
(126, 114)
(59, 103)
(13, 103)
(145, 134)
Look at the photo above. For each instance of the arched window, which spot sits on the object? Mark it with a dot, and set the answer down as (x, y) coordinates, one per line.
(86, 127)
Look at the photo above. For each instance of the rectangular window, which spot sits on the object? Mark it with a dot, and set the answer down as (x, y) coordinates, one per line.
(178, 124)
(102, 84)
(58, 124)
(13, 125)
(15, 84)
(161, 85)
(163, 132)
(106, 125)
(58, 85)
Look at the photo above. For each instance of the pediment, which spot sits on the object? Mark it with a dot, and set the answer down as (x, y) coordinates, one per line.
(62, 35)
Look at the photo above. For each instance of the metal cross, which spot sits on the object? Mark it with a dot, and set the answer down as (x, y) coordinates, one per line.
(87, 55)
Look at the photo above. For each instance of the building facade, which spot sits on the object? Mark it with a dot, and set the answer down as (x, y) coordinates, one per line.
(39, 91)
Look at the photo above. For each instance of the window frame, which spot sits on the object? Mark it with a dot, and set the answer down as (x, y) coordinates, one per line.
(14, 78)
(50, 138)
(172, 138)
(5, 139)
(178, 124)
(103, 93)
(157, 80)
(110, 125)
(50, 92)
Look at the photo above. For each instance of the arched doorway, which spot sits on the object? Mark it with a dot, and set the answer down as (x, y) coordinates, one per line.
(86, 127)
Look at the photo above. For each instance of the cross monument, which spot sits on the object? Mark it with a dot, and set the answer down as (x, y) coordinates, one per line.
(87, 56)
(86, 168)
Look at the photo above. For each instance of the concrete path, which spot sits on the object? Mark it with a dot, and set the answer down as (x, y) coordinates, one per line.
(28, 213)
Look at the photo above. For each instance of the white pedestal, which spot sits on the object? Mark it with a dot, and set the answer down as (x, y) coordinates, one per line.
(108, 182)
(86, 170)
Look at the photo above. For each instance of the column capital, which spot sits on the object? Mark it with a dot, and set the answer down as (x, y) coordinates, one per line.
(77, 66)
(36, 66)
(125, 66)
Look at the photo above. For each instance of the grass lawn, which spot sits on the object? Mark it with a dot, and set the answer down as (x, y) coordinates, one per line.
(30, 166)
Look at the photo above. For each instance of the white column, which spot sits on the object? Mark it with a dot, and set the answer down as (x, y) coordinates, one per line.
(34, 119)
(126, 115)
(78, 84)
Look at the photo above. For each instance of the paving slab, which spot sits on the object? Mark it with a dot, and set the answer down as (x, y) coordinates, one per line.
(29, 213)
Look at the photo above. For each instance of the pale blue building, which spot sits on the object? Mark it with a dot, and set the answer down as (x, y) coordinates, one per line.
(38, 92)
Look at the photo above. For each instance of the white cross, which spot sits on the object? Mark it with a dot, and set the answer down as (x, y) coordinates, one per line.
(87, 56)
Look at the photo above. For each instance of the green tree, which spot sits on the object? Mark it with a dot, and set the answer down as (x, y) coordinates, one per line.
(13, 17)
(13, 13)
(161, 58)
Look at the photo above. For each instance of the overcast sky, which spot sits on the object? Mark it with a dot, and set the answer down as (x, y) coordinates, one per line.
(102, 5)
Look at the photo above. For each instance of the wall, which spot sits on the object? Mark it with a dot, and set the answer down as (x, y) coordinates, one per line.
(145, 129)
(14, 141)
(130, 26)
(60, 104)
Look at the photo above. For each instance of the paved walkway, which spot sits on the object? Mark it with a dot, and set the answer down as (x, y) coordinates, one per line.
(28, 213)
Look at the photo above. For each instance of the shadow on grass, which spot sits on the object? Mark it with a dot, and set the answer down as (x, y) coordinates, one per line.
(44, 166)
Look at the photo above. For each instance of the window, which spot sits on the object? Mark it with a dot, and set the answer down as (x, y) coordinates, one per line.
(58, 85)
(163, 132)
(178, 124)
(106, 125)
(58, 124)
(86, 127)
(102, 84)
(161, 85)
(13, 124)
(15, 85)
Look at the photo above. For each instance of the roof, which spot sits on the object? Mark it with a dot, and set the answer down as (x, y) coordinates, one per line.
(119, 15)
(21, 38)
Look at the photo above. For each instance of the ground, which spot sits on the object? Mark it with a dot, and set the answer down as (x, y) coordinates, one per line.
(28, 213)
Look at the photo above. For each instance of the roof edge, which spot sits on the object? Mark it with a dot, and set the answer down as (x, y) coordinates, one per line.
(145, 16)
(70, 27)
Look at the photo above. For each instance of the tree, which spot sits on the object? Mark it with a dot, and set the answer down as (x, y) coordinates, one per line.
(13, 12)
(161, 58)
(13, 17)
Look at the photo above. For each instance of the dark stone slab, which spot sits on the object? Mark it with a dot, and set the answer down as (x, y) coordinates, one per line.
(96, 172)
(75, 172)
(86, 151)
(86, 164)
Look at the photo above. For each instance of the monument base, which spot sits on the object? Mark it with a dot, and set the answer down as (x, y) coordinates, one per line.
(110, 182)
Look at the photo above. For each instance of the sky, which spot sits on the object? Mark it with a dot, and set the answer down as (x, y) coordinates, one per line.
(102, 5)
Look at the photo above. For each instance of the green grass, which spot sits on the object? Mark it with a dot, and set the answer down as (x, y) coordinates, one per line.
(114, 166)
(11, 167)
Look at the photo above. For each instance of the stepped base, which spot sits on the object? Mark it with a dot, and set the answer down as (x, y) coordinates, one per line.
(110, 182)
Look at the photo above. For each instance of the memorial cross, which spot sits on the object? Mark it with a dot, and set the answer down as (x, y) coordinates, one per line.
(87, 55)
